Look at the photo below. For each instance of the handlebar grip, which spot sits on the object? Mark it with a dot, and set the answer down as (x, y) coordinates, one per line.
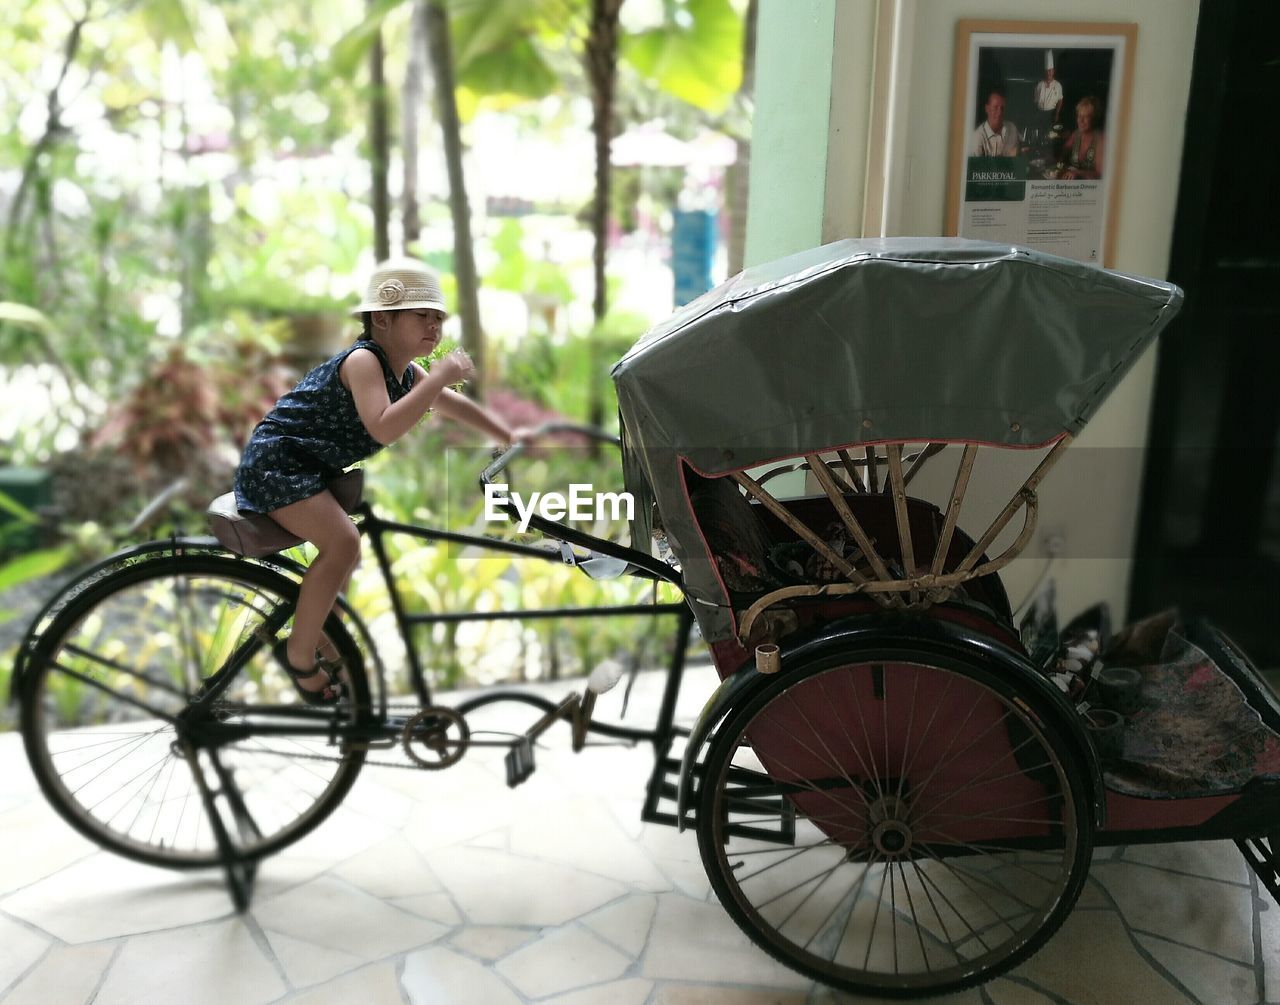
(547, 428)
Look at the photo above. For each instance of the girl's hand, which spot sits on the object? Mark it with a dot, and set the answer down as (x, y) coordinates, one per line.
(458, 367)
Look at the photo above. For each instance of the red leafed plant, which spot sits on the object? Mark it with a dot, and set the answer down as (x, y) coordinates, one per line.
(184, 408)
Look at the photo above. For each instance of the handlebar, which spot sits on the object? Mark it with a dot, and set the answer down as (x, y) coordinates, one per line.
(501, 462)
(637, 563)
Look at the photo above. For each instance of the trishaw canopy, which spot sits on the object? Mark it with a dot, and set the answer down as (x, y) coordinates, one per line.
(866, 341)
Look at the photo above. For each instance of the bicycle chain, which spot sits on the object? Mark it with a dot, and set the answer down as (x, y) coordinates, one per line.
(338, 760)
(293, 755)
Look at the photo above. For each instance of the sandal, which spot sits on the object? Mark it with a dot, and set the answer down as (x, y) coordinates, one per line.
(326, 667)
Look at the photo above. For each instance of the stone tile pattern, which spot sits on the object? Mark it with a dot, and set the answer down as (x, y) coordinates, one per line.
(447, 888)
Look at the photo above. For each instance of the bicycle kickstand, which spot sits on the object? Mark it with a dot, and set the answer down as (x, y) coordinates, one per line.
(239, 872)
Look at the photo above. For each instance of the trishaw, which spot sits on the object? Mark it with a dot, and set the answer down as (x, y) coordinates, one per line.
(896, 789)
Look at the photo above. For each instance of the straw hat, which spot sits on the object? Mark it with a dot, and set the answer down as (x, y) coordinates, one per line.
(402, 284)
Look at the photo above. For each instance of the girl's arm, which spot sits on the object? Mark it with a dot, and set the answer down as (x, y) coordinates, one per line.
(460, 408)
(387, 422)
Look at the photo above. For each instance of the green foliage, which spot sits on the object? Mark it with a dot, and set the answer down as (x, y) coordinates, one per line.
(15, 509)
(351, 49)
(164, 228)
(15, 319)
(425, 479)
(696, 55)
(169, 21)
(281, 253)
(33, 565)
(518, 272)
(516, 71)
(561, 373)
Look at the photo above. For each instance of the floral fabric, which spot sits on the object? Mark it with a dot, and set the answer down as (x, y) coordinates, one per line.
(309, 437)
(1195, 732)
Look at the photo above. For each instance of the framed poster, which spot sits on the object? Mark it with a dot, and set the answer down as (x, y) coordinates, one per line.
(1039, 113)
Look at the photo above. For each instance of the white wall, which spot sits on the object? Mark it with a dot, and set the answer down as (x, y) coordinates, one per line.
(789, 131)
(1093, 500)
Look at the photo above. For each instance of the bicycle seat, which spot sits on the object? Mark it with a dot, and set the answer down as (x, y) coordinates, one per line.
(256, 534)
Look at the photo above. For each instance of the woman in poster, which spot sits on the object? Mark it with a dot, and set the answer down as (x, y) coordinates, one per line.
(1082, 150)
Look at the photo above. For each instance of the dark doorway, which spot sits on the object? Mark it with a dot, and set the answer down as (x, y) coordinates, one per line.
(1209, 531)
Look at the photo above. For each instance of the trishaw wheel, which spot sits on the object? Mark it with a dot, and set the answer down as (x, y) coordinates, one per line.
(110, 678)
(897, 823)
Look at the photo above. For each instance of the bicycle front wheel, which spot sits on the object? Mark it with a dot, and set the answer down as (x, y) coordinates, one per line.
(113, 732)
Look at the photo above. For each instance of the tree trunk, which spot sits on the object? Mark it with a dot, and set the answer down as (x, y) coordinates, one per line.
(601, 57)
(411, 100)
(602, 74)
(464, 263)
(53, 130)
(739, 173)
(379, 150)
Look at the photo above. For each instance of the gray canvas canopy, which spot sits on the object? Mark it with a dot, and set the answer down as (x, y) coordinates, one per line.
(866, 341)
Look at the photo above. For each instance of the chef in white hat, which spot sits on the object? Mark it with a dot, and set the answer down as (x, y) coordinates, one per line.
(1048, 95)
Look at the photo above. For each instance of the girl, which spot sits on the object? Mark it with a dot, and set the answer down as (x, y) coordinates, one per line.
(349, 407)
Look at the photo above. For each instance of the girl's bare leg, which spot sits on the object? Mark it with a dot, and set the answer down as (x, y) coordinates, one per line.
(325, 648)
(323, 522)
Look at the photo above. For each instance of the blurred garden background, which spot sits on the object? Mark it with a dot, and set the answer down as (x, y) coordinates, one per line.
(191, 192)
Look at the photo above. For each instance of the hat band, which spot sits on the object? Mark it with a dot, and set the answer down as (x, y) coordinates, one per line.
(393, 291)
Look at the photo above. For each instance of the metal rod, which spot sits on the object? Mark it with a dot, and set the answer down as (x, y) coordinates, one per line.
(933, 583)
(128, 671)
(151, 710)
(603, 728)
(416, 676)
(853, 526)
(453, 617)
(671, 691)
(931, 450)
(1020, 498)
(897, 486)
(854, 475)
(646, 567)
(379, 527)
(815, 461)
(953, 508)
(873, 479)
(812, 539)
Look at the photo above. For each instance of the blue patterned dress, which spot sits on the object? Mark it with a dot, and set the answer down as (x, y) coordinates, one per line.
(309, 437)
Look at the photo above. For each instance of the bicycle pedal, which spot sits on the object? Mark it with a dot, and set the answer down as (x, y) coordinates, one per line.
(519, 761)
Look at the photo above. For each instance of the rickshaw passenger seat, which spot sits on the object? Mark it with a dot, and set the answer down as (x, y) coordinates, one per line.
(735, 534)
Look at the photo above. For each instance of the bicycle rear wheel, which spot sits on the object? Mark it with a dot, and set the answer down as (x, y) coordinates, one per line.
(107, 713)
(894, 823)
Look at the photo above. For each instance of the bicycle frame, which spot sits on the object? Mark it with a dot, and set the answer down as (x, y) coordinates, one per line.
(376, 529)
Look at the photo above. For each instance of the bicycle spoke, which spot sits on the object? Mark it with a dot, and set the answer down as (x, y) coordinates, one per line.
(866, 767)
(910, 891)
(151, 711)
(976, 783)
(119, 667)
(114, 682)
(817, 736)
(115, 745)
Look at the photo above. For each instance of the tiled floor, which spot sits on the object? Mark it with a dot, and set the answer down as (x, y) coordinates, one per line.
(448, 888)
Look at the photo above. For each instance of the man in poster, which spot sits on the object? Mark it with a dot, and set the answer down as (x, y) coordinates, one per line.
(995, 137)
(1046, 187)
(1048, 96)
